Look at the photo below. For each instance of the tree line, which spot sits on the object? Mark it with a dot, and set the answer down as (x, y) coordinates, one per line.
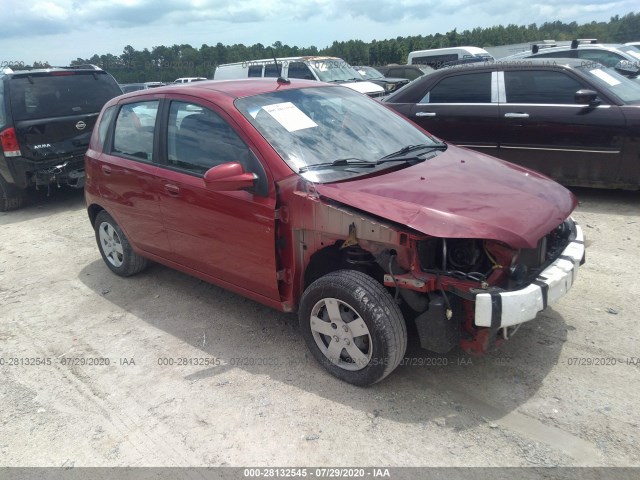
(164, 63)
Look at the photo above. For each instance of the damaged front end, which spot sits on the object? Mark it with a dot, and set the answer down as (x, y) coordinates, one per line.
(480, 291)
(467, 292)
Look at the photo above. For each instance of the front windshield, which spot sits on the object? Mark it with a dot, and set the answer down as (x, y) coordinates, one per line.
(334, 70)
(310, 126)
(369, 73)
(626, 89)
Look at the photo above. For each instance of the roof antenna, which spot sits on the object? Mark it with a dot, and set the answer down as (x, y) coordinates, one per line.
(281, 79)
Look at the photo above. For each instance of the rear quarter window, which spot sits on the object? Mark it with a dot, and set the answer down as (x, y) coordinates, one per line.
(103, 128)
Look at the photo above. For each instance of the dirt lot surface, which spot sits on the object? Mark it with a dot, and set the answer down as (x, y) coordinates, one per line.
(563, 391)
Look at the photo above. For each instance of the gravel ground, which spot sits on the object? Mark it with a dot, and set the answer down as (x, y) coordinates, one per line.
(563, 391)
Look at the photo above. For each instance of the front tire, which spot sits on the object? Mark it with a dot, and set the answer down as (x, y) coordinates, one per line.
(115, 248)
(353, 327)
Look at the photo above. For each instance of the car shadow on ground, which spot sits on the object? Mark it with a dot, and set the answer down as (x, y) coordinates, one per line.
(453, 389)
(616, 202)
(45, 202)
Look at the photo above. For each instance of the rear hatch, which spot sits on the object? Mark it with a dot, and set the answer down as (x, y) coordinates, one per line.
(54, 112)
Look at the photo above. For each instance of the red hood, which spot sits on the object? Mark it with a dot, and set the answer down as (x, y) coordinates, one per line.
(462, 194)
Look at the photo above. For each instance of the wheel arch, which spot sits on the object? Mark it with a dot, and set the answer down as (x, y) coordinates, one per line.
(93, 210)
(334, 257)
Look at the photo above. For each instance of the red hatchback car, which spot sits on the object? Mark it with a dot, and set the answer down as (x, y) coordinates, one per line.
(314, 198)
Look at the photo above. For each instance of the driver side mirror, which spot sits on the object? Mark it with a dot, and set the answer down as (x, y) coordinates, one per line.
(229, 177)
(587, 97)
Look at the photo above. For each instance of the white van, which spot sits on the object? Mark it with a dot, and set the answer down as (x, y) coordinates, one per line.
(324, 69)
(189, 79)
(437, 57)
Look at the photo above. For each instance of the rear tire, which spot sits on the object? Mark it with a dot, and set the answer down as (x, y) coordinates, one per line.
(353, 327)
(115, 248)
(11, 198)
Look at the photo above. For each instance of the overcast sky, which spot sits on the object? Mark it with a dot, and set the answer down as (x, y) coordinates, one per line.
(59, 31)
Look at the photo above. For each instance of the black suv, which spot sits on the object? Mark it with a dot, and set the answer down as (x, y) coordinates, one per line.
(46, 119)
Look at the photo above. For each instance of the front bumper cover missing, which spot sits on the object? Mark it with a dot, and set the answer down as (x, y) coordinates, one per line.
(505, 309)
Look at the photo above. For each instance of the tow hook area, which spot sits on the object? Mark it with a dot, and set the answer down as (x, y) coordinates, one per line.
(75, 178)
(59, 175)
(438, 330)
(486, 340)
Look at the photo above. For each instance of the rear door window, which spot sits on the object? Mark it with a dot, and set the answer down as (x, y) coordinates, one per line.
(134, 130)
(470, 88)
(60, 94)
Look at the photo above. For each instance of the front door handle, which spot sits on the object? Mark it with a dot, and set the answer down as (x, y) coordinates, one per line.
(516, 115)
(425, 114)
(106, 169)
(172, 189)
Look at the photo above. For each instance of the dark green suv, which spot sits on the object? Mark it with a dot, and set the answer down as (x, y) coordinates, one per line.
(46, 119)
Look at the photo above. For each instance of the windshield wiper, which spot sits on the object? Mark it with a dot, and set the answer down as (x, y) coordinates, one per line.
(405, 154)
(340, 162)
(401, 154)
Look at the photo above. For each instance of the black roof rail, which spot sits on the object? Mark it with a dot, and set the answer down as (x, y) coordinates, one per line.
(28, 68)
(535, 48)
(578, 41)
(84, 66)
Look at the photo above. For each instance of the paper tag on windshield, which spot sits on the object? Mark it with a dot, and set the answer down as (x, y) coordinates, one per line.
(602, 75)
(289, 116)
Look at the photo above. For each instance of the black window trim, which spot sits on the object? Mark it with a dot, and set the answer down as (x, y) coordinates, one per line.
(608, 98)
(109, 140)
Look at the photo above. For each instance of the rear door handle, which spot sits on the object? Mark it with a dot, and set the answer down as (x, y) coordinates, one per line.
(516, 115)
(172, 189)
(425, 114)
(106, 169)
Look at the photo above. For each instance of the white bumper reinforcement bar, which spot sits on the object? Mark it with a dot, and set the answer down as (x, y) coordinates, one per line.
(504, 309)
